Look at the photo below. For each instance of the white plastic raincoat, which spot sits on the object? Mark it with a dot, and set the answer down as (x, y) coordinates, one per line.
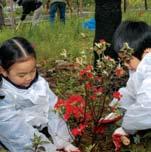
(21, 109)
(136, 97)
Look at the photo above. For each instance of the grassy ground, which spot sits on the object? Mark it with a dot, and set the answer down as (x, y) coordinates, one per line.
(50, 41)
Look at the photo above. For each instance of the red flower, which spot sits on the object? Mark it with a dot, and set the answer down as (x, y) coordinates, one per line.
(79, 130)
(59, 103)
(98, 90)
(76, 99)
(89, 68)
(117, 95)
(89, 75)
(67, 116)
(75, 132)
(82, 72)
(100, 129)
(87, 72)
(88, 85)
(93, 97)
(73, 106)
(117, 142)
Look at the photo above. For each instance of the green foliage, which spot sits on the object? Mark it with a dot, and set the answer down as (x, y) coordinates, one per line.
(37, 142)
(3, 2)
(89, 148)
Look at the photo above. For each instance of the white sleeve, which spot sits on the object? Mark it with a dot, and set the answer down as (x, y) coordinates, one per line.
(57, 127)
(52, 97)
(15, 134)
(59, 130)
(138, 115)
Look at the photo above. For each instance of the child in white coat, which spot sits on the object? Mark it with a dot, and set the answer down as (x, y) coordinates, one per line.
(27, 102)
(136, 96)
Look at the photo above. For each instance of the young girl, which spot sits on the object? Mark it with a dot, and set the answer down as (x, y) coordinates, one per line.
(27, 102)
(136, 98)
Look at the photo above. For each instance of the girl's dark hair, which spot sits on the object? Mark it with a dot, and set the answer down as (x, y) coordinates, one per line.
(136, 33)
(14, 50)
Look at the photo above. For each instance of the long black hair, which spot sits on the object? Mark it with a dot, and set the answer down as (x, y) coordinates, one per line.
(136, 33)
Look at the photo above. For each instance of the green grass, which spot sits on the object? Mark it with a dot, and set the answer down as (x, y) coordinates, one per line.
(139, 15)
(49, 41)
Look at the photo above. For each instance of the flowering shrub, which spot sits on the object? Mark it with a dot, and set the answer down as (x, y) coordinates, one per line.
(83, 111)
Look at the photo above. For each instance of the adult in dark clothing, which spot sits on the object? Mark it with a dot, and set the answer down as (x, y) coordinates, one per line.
(108, 16)
(59, 5)
(29, 6)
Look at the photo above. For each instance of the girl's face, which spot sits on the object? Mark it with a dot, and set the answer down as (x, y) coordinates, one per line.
(22, 73)
(132, 63)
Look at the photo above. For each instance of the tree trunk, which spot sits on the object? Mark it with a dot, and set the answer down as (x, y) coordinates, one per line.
(12, 18)
(80, 7)
(146, 6)
(108, 16)
(125, 5)
(1, 15)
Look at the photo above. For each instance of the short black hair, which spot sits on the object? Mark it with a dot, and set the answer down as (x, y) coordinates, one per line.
(136, 33)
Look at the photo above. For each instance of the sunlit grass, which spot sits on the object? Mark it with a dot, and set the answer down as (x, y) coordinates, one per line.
(49, 41)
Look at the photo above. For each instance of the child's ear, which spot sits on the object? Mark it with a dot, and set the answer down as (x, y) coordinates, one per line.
(3, 72)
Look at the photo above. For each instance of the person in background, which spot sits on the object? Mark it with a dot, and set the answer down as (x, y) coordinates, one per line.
(27, 103)
(59, 5)
(29, 6)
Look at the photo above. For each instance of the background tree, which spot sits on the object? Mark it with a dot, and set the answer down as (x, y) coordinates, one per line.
(108, 16)
(145, 3)
(12, 16)
(1, 14)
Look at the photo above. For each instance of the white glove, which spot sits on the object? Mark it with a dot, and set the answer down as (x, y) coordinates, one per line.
(111, 115)
(120, 131)
(71, 148)
(110, 118)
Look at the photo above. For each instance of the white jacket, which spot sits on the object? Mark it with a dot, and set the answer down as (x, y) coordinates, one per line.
(136, 97)
(21, 109)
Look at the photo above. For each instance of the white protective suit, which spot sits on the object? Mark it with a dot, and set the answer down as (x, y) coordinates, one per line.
(21, 109)
(136, 97)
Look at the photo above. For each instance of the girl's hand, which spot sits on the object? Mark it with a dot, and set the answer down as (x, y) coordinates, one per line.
(71, 148)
